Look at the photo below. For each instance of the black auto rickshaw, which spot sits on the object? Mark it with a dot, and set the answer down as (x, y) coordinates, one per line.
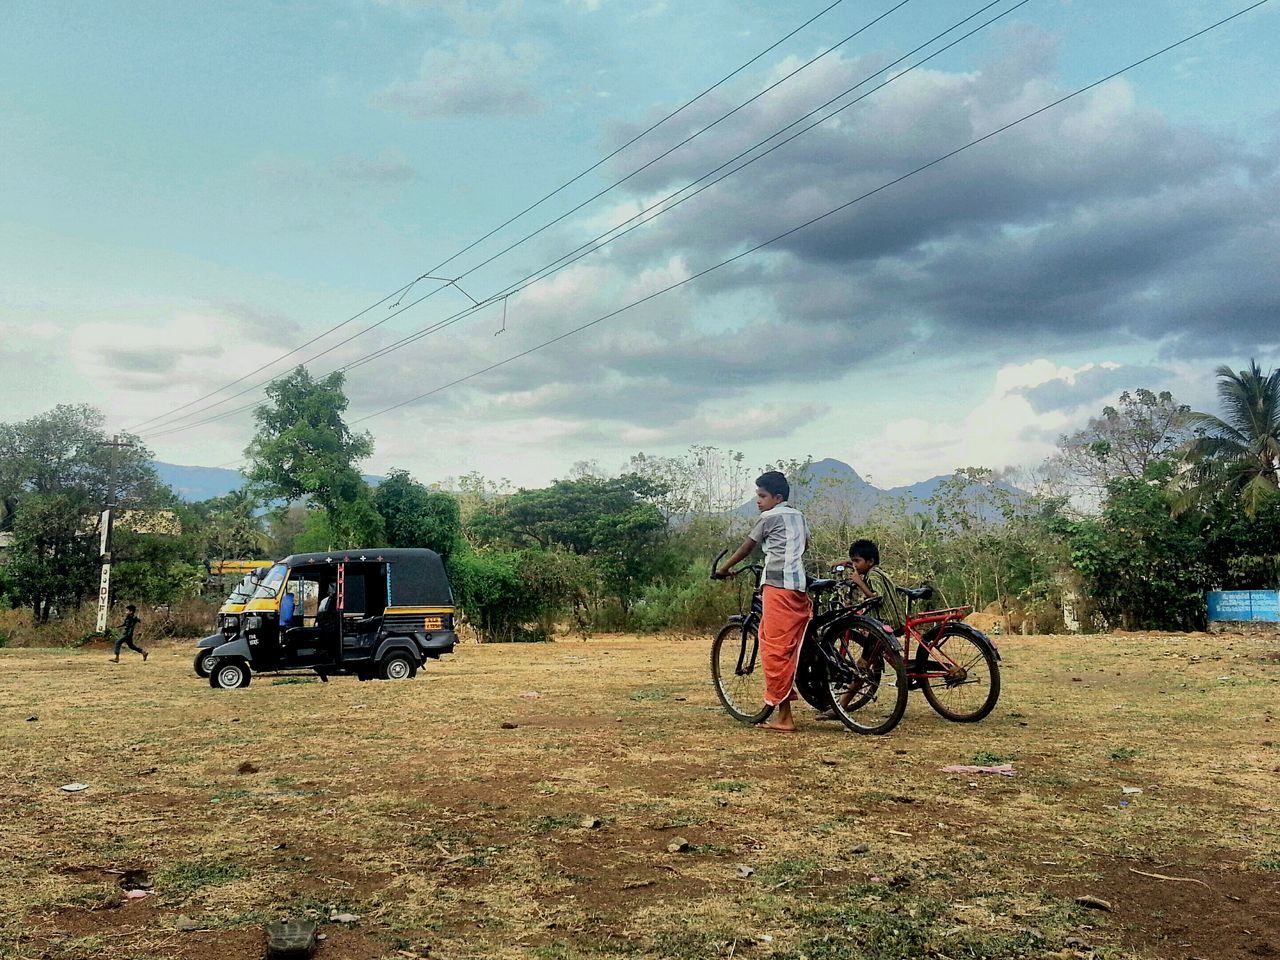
(229, 614)
(369, 613)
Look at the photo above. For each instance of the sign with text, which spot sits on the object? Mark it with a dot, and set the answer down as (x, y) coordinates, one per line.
(104, 596)
(1263, 605)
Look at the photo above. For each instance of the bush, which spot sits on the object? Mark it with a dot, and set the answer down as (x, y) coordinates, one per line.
(692, 603)
(499, 596)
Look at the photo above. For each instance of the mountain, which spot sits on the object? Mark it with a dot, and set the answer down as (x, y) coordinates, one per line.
(201, 483)
(198, 483)
(835, 491)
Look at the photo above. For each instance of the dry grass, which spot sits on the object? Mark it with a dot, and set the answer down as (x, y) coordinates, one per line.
(409, 805)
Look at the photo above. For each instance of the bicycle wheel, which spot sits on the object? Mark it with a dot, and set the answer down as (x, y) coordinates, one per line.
(971, 687)
(868, 683)
(738, 674)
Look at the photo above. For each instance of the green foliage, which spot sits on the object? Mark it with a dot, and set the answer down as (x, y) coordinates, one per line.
(55, 473)
(415, 516)
(506, 595)
(1239, 453)
(304, 450)
(1145, 568)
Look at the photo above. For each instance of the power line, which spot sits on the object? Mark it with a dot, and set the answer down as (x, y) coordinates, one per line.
(506, 223)
(817, 219)
(609, 236)
(600, 241)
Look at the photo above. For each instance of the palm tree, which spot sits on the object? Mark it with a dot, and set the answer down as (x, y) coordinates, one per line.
(1238, 453)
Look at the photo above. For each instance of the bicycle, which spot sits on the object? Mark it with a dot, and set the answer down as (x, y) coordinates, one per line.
(843, 658)
(956, 666)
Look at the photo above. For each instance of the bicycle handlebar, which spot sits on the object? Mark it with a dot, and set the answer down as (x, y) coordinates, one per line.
(749, 568)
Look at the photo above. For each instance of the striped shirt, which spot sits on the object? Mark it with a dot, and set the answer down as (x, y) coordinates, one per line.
(783, 534)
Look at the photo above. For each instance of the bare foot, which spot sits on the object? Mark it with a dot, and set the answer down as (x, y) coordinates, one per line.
(114, 659)
(777, 726)
(144, 656)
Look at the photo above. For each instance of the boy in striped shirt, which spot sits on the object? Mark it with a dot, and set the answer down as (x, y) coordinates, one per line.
(783, 533)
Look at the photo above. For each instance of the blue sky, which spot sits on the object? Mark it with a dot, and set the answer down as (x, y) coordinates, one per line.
(192, 189)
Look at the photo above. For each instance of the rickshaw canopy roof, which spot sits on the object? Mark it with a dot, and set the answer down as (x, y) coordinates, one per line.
(417, 574)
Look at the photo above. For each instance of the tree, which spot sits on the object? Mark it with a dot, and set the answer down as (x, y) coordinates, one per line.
(55, 474)
(1146, 568)
(303, 449)
(1121, 443)
(415, 516)
(233, 528)
(1240, 452)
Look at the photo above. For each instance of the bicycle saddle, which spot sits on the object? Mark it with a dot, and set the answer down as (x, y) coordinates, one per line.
(818, 586)
(916, 593)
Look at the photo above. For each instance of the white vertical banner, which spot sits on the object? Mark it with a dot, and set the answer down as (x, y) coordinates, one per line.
(104, 596)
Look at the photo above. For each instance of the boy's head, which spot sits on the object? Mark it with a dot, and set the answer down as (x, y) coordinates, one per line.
(131, 609)
(864, 554)
(771, 489)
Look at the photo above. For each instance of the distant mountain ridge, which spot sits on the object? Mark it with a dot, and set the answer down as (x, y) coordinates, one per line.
(834, 489)
(203, 483)
(839, 487)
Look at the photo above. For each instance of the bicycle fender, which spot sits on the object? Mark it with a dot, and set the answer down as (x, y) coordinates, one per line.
(979, 638)
(735, 618)
(868, 624)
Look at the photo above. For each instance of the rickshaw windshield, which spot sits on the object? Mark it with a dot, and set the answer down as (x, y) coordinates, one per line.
(243, 590)
(269, 587)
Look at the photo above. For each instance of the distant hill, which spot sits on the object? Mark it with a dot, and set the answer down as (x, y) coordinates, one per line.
(198, 483)
(202, 483)
(843, 492)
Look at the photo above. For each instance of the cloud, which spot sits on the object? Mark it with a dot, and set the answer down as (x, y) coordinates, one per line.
(1100, 217)
(468, 78)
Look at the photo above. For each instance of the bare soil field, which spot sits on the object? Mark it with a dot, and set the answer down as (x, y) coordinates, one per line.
(591, 800)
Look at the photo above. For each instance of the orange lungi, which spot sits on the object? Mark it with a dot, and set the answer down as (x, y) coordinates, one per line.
(786, 615)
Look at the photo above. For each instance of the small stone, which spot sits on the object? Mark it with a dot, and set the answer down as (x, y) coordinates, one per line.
(860, 848)
(74, 787)
(186, 924)
(589, 823)
(247, 767)
(508, 725)
(344, 917)
(32, 719)
(1130, 791)
(678, 845)
(1094, 903)
(743, 871)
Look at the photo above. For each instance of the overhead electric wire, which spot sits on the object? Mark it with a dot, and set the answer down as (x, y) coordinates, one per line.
(609, 236)
(599, 242)
(506, 223)
(808, 223)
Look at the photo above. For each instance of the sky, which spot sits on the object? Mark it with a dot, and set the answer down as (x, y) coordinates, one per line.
(190, 191)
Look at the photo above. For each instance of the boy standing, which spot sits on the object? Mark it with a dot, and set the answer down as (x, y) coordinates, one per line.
(784, 534)
(131, 620)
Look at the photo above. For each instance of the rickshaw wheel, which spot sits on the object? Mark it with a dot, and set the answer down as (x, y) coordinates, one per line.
(398, 666)
(230, 675)
(202, 662)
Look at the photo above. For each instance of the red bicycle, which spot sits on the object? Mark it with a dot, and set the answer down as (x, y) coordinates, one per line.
(955, 665)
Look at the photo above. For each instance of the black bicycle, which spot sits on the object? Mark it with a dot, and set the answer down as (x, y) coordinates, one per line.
(849, 665)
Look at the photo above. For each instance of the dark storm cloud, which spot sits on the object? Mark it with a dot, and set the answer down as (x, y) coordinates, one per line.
(1091, 387)
(1095, 225)
(1098, 215)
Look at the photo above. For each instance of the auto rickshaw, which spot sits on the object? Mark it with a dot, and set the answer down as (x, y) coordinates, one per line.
(368, 613)
(228, 622)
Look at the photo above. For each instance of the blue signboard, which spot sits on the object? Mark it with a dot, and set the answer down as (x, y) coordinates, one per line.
(1261, 605)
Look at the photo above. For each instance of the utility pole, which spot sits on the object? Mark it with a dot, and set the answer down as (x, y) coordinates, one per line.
(104, 542)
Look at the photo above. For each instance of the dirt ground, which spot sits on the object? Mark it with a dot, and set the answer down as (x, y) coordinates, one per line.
(520, 801)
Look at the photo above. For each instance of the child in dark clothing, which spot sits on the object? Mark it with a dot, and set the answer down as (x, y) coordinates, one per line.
(131, 620)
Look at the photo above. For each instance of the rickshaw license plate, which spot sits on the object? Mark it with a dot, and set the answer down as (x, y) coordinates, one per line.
(433, 623)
